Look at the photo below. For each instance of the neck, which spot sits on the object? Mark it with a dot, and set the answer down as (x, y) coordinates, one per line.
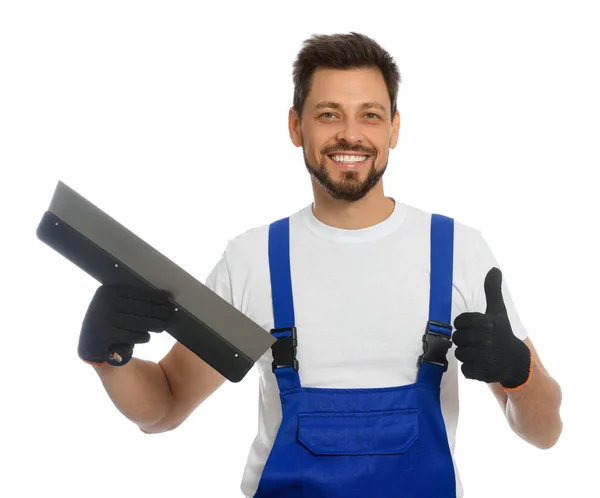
(372, 209)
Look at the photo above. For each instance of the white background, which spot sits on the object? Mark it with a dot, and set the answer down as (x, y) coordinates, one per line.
(172, 117)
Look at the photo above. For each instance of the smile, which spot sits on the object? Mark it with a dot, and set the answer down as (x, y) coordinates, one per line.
(348, 162)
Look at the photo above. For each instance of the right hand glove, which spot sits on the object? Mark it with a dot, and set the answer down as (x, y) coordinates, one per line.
(119, 317)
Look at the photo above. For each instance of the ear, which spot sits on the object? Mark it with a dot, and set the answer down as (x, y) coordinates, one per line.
(294, 127)
(395, 130)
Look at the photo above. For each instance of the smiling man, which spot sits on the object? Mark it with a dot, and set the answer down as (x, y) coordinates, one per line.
(375, 305)
(345, 169)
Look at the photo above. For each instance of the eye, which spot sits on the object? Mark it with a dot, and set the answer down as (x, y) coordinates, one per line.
(327, 115)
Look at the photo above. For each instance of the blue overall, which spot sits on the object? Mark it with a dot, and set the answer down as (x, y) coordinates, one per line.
(388, 442)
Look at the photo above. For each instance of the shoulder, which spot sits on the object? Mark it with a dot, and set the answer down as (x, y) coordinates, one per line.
(239, 265)
(254, 241)
(245, 246)
(249, 249)
(467, 238)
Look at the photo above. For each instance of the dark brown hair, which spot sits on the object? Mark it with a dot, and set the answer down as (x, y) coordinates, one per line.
(342, 51)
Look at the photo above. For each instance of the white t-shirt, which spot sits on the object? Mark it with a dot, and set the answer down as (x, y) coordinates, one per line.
(361, 300)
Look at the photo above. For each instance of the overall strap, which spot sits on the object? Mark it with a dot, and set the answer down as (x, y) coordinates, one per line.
(285, 365)
(438, 331)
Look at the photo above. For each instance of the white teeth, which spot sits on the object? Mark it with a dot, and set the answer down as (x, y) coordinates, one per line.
(349, 159)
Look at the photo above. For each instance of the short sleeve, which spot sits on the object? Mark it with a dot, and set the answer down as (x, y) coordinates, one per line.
(219, 279)
(481, 263)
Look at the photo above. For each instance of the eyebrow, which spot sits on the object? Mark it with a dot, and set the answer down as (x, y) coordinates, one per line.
(335, 105)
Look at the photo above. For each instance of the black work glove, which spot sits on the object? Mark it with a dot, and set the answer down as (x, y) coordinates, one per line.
(486, 345)
(119, 317)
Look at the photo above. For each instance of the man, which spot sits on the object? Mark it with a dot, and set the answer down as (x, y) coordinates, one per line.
(355, 400)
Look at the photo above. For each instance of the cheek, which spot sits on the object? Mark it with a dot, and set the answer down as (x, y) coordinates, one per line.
(383, 148)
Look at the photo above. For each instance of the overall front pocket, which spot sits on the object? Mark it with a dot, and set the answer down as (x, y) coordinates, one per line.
(354, 453)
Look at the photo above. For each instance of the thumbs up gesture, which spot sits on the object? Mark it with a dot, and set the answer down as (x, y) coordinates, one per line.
(486, 345)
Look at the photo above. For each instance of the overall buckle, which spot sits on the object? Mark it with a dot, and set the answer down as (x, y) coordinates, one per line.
(284, 349)
(436, 344)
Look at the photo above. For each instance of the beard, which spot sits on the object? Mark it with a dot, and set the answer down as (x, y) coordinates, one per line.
(350, 188)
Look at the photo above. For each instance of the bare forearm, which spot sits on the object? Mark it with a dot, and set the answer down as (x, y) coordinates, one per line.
(533, 412)
(139, 390)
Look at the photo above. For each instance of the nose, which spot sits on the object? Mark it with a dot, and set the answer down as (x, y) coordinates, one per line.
(350, 133)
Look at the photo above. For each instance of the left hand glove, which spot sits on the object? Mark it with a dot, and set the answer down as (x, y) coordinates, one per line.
(486, 345)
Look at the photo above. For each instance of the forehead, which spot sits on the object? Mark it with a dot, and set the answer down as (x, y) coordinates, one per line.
(348, 86)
